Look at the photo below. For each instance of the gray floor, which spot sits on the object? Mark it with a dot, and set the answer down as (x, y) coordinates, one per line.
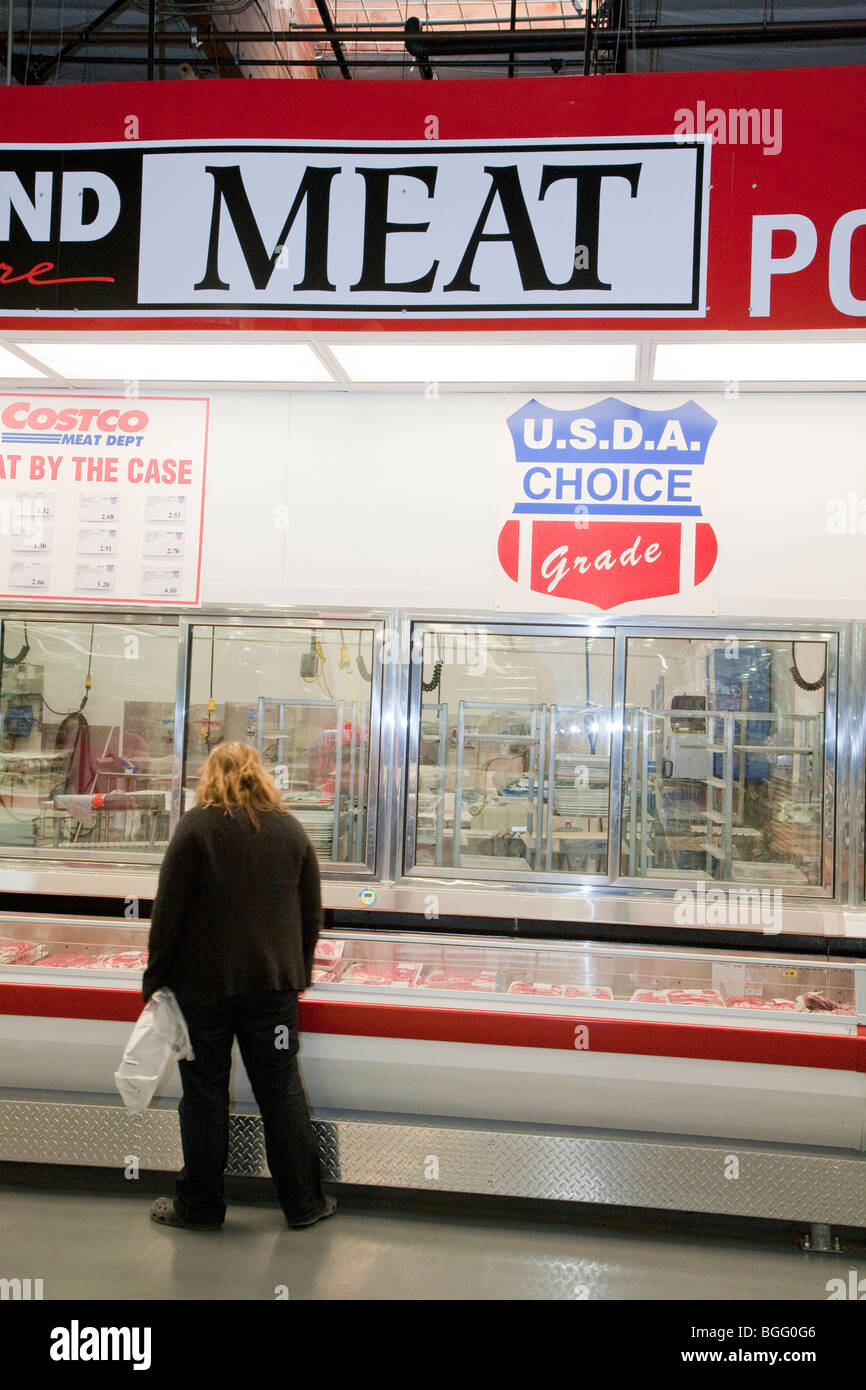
(102, 1246)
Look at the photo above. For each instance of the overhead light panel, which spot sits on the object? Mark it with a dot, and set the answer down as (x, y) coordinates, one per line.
(574, 364)
(760, 361)
(202, 362)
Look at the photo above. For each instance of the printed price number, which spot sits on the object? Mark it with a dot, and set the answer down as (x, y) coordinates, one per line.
(37, 583)
(108, 516)
(172, 550)
(171, 588)
(108, 549)
(103, 583)
(174, 516)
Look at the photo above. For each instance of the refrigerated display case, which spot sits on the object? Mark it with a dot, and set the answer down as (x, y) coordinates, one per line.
(566, 761)
(303, 696)
(583, 883)
(496, 1054)
(515, 776)
(736, 796)
(106, 720)
(32, 950)
(86, 733)
(626, 757)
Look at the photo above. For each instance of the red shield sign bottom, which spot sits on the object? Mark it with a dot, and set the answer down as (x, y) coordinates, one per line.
(606, 563)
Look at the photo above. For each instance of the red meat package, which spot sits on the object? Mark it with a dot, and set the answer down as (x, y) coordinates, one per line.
(588, 992)
(649, 996)
(538, 987)
(327, 949)
(68, 962)
(747, 1002)
(814, 1003)
(384, 973)
(535, 987)
(710, 998)
(323, 975)
(120, 960)
(459, 979)
(19, 952)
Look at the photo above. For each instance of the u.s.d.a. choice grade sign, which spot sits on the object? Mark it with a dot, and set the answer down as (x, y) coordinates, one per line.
(604, 507)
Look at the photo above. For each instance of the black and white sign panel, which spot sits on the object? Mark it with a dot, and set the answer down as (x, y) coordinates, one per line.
(614, 227)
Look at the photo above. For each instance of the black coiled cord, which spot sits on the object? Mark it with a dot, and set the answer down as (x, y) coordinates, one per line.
(427, 686)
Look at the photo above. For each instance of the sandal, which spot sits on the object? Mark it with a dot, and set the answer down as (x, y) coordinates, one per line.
(164, 1214)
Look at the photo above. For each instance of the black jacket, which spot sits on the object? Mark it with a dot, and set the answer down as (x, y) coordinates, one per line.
(237, 910)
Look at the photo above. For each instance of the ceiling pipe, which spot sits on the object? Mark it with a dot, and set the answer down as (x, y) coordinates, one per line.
(151, 39)
(50, 65)
(330, 30)
(416, 49)
(396, 61)
(643, 36)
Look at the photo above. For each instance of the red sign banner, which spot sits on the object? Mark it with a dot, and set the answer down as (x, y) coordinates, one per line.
(712, 201)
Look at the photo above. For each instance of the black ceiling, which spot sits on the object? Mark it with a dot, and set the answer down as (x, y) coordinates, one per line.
(63, 42)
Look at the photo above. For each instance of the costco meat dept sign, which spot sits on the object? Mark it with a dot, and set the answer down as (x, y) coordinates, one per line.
(604, 508)
(101, 498)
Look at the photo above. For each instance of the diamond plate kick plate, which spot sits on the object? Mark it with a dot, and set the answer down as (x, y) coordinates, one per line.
(668, 1174)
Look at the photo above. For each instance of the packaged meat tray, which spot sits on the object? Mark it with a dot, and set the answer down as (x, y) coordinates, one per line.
(68, 961)
(588, 992)
(459, 979)
(19, 952)
(329, 950)
(749, 1003)
(384, 973)
(816, 1003)
(120, 960)
(324, 975)
(538, 987)
(710, 998)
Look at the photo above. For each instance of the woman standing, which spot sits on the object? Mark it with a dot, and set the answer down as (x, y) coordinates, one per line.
(233, 930)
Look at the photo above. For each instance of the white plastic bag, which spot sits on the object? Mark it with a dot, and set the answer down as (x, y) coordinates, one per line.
(159, 1037)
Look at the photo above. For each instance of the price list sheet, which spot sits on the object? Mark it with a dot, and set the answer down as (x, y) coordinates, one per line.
(102, 498)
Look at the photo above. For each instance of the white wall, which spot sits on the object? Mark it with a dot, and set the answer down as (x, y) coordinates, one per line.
(392, 500)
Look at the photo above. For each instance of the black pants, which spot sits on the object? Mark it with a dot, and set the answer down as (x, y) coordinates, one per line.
(266, 1027)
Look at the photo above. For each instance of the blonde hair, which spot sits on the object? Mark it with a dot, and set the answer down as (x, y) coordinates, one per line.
(235, 778)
